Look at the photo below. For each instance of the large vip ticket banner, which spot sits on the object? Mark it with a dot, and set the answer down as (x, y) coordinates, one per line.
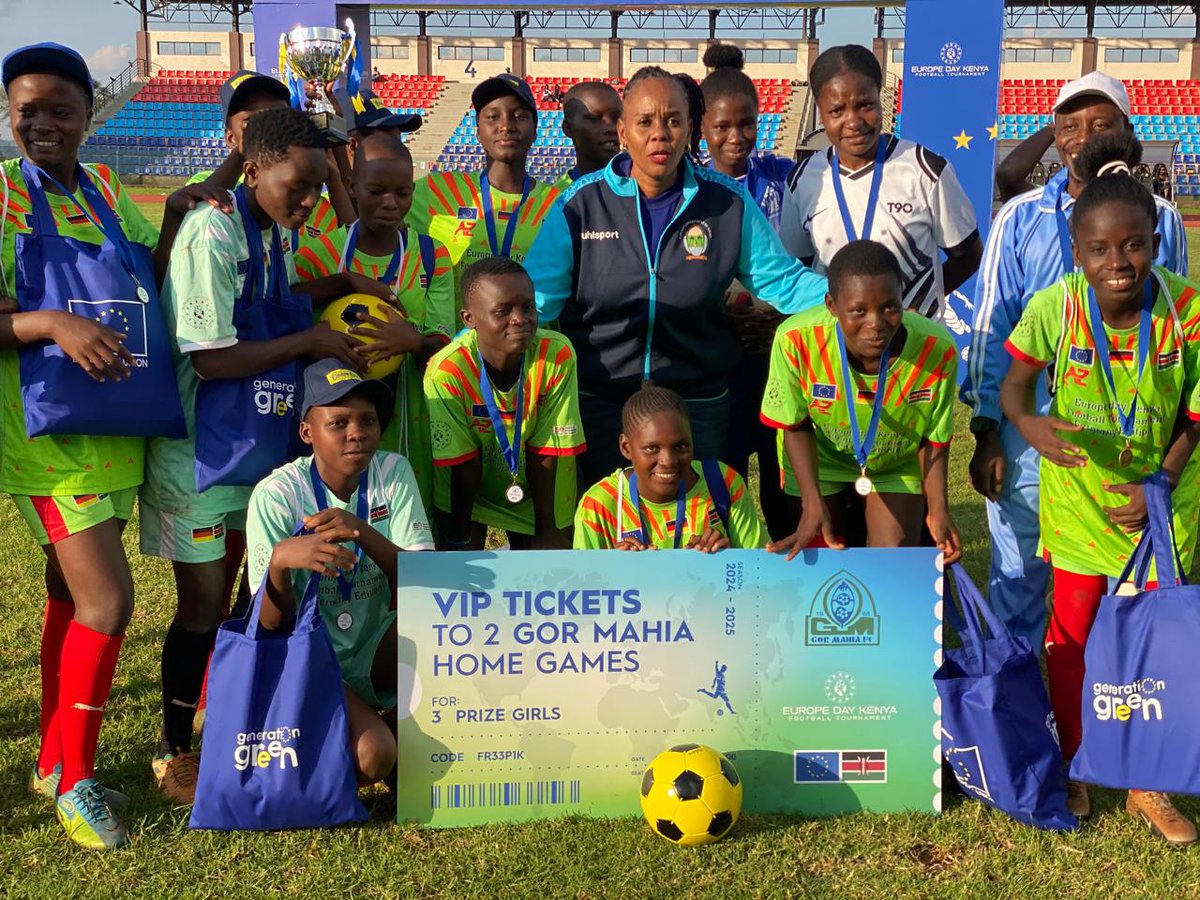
(542, 684)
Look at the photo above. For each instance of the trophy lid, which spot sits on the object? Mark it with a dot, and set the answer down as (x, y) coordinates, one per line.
(315, 34)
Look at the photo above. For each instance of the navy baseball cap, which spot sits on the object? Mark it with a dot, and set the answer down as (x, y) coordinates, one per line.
(503, 86)
(47, 58)
(364, 111)
(241, 84)
(329, 380)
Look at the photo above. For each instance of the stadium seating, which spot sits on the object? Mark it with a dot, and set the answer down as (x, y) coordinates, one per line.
(173, 126)
(1161, 110)
(553, 154)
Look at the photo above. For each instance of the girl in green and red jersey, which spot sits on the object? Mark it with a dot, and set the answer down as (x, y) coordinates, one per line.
(1122, 338)
(862, 393)
(75, 492)
(665, 499)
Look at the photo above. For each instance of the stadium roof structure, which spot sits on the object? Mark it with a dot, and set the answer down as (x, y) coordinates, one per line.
(1091, 13)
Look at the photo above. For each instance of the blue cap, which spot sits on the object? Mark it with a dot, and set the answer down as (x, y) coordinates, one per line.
(365, 111)
(503, 86)
(47, 58)
(329, 380)
(235, 90)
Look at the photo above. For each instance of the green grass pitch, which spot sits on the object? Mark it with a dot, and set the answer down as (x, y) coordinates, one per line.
(969, 851)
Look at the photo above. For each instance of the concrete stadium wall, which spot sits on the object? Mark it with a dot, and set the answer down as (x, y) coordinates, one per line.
(446, 55)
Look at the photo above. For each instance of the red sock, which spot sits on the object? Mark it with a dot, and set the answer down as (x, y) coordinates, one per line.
(58, 618)
(1076, 600)
(89, 661)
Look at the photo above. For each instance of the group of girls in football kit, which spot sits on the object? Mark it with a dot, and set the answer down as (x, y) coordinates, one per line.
(588, 364)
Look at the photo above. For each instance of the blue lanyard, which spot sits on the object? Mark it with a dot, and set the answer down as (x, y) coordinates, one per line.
(257, 255)
(393, 269)
(345, 582)
(643, 529)
(865, 443)
(101, 216)
(489, 219)
(510, 450)
(1064, 231)
(872, 198)
(1100, 339)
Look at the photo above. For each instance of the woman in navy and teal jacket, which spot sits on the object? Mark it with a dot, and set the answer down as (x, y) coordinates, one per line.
(634, 263)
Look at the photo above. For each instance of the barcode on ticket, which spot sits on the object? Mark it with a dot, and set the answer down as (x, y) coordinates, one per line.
(503, 793)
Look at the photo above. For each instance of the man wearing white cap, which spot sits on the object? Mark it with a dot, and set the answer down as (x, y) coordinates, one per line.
(1028, 249)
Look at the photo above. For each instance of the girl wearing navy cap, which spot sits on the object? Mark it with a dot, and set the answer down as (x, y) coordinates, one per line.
(80, 322)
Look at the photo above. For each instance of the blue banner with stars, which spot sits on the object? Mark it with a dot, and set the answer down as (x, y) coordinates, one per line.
(951, 94)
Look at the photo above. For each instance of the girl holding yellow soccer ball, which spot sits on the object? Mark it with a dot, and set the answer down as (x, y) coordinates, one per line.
(399, 339)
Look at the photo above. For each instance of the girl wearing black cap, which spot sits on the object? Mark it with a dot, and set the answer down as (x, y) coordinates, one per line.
(67, 265)
(498, 211)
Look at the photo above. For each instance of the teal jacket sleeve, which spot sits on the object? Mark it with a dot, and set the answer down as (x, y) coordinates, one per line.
(767, 270)
(551, 263)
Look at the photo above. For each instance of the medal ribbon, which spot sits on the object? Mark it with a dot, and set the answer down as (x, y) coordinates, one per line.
(1064, 231)
(680, 501)
(1128, 419)
(391, 276)
(345, 582)
(872, 198)
(254, 245)
(489, 218)
(865, 443)
(510, 450)
(101, 216)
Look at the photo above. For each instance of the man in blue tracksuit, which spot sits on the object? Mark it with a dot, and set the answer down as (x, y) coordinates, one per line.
(638, 284)
(1028, 249)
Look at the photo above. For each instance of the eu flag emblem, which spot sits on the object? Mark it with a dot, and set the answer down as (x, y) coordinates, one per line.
(815, 766)
(1081, 355)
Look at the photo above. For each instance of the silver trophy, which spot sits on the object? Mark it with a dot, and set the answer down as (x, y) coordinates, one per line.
(318, 56)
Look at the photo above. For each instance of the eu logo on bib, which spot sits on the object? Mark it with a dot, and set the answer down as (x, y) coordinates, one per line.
(125, 316)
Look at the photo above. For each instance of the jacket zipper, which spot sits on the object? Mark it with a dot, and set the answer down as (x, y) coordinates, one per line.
(653, 262)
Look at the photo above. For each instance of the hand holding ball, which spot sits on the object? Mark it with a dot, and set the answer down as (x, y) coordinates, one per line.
(384, 332)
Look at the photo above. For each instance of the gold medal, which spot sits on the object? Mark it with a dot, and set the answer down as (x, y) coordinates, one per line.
(1126, 457)
(515, 494)
(863, 484)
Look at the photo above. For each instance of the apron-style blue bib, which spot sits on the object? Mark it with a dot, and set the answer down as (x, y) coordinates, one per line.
(246, 427)
(111, 283)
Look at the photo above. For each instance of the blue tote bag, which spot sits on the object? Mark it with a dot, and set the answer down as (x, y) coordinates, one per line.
(997, 728)
(276, 747)
(1141, 686)
(111, 283)
(246, 427)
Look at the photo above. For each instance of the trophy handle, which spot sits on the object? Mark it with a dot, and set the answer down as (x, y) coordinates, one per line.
(350, 60)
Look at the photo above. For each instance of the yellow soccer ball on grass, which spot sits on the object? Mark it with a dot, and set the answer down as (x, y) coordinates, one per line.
(343, 313)
(691, 795)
